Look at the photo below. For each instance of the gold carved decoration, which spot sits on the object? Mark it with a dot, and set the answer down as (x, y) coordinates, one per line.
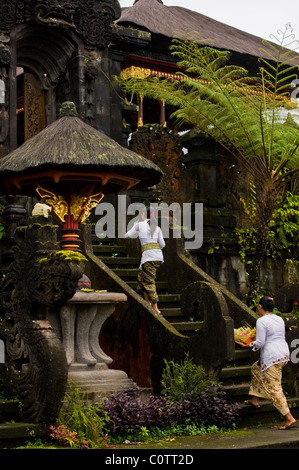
(80, 207)
(136, 72)
(59, 206)
(142, 73)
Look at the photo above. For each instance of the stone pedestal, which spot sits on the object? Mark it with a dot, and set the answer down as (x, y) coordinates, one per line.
(81, 320)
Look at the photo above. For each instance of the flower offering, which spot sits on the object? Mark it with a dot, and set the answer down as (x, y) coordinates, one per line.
(245, 334)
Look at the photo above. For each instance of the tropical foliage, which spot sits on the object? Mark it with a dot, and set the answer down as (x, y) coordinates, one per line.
(244, 114)
(196, 408)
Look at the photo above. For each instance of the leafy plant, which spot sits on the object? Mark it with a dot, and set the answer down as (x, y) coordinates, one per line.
(80, 424)
(132, 418)
(208, 408)
(190, 400)
(284, 233)
(128, 413)
(179, 379)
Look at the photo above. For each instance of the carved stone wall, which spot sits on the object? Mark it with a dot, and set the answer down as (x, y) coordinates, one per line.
(91, 19)
(40, 279)
(54, 40)
(162, 146)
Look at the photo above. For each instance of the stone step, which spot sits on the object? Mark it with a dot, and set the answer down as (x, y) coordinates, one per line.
(109, 249)
(187, 327)
(18, 431)
(127, 267)
(266, 413)
(9, 410)
(162, 286)
(243, 354)
(169, 298)
(170, 311)
(122, 261)
(231, 373)
(126, 273)
(237, 392)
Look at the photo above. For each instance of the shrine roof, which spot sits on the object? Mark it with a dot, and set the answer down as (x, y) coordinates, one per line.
(172, 21)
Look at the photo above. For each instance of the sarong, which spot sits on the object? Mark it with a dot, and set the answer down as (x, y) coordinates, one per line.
(270, 386)
(147, 280)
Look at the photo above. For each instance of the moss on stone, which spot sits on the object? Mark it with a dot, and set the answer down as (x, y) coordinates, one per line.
(64, 255)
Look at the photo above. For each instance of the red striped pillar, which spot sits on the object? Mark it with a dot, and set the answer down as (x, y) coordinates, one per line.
(70, 234)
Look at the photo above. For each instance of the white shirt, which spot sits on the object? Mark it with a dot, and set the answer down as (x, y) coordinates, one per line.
(144, 232)
(270, 340)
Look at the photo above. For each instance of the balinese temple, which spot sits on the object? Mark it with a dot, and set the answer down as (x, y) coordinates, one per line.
(60, 51)
(56, 51)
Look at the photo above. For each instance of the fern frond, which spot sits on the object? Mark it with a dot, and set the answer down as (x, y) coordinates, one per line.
(239, 112)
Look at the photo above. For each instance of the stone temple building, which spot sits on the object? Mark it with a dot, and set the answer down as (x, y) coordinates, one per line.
(57, 51)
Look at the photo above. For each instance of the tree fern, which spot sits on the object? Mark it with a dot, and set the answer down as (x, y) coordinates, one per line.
(277, 76)
(224, 102)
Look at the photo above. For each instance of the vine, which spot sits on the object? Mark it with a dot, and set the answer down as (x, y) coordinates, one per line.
(283, 236)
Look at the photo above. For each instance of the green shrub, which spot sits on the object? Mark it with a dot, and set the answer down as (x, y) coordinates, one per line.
(179, 379)
(81, 424)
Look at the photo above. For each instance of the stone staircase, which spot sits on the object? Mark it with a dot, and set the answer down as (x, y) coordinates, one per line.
(235, 379)
(235, 376)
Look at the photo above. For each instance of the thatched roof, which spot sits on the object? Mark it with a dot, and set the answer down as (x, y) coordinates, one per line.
(69, 144)
(171, 21)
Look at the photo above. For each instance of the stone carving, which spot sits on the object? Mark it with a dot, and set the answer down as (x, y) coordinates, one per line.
(40, 279)
(94, 24)
(162, 146)
(54, 13)
(92, 69)
(90, 19)
(5, 54)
